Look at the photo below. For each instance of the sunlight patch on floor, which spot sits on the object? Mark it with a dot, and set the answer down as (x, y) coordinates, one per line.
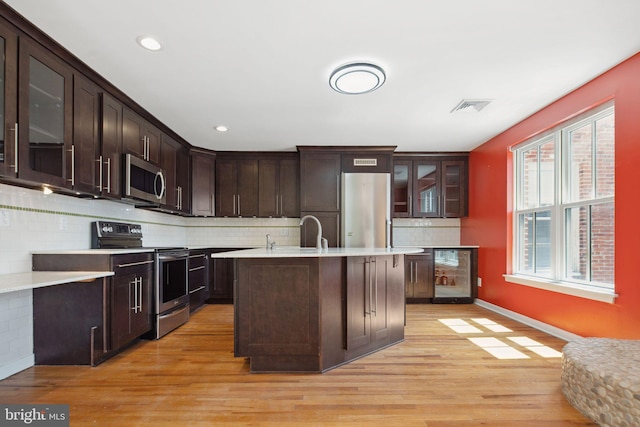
(461, 326)
(495, 346)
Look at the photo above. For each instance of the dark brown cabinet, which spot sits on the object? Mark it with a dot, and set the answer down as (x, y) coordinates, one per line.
(86, 136)
(319, 181)
(278, 190)
(418, 272)
(109, 176)
(236, 187)
(198, 279)
(313, 314)
(430, 187)
(373, 284)
(140, 137)
(222, 276)
(69, 323)
(131, 303)
(8, 101)
(202, 183)
(175, 163)
(320, 195)
(127, 295)
(45, 116)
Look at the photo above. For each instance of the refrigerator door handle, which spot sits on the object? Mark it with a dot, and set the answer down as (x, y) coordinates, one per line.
(388, 234)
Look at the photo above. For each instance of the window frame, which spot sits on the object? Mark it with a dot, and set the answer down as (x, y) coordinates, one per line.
(558, 279)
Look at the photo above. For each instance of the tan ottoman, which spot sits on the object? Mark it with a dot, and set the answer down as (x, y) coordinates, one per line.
(601, 378)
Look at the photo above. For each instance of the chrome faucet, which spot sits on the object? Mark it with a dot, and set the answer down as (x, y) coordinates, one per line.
(270, 243)
(319, 240)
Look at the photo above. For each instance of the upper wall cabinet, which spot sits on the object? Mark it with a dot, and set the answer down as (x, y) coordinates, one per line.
(203, 178)
(174, 161)
(430, 187)
(8, 101)
(45, 102)
(320, 181)
(86, 136)
(236, 187)
(278, 187)
(140, 137)
(110, 160)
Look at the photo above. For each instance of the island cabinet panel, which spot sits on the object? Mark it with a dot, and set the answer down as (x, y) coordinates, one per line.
(280, 302)
(373, 306)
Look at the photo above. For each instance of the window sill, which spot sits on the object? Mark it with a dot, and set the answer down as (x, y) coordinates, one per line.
(564, 288)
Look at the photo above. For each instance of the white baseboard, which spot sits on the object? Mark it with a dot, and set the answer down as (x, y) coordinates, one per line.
(541, 326)
(17, 366)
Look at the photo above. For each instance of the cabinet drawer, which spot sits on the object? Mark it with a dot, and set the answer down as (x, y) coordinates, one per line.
(132, 263)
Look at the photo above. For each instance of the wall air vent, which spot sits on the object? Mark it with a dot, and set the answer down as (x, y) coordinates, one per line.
(468, 104)
(365, 162)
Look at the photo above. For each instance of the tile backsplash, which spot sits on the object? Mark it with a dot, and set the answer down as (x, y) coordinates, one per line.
(32, 221)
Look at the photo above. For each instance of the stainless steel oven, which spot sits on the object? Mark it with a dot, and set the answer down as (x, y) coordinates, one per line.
(172, 289)
(171, 272)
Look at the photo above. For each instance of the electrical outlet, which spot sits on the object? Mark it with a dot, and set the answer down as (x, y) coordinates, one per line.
(284, 231)
(4, 218)
(479, 282)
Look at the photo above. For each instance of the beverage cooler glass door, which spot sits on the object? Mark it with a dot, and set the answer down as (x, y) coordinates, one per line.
(452, 275)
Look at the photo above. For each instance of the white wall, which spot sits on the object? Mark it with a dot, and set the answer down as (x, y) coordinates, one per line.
(31, 221)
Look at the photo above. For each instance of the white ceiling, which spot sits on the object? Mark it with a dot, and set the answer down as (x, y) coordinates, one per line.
(261, 67)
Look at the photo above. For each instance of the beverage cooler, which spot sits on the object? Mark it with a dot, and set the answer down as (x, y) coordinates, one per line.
(455, 275)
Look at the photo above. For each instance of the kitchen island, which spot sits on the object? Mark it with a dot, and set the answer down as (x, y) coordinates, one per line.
(311, 310)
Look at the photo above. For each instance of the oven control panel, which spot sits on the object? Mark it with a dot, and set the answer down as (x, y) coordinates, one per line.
(117, 229)
(120, 235)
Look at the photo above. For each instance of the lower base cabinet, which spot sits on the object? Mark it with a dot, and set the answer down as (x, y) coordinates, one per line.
(70, 323)
(86, 323)
(221, 273)
(419, 277)
(131, 303)
(198, 279)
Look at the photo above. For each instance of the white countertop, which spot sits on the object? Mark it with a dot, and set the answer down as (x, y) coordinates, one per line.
(298, 252)
(94, 251)
(38, 279)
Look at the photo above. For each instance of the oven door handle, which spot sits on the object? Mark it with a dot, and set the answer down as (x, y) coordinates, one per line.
(133, 264)
(172, 257)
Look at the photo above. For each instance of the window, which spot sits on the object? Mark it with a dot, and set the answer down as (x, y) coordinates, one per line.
(564, 203)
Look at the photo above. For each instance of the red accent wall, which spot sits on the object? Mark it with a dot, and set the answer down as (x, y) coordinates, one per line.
(489, 222)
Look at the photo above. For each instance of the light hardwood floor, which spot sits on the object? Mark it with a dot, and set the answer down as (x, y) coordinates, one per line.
(435, 378)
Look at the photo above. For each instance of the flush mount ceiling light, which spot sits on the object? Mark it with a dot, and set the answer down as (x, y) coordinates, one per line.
(149, 43)
(221, 128)
(357, 78)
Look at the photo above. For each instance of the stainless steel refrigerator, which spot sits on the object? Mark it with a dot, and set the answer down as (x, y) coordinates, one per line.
(366, 210)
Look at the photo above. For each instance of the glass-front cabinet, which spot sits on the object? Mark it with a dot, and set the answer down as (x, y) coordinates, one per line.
(8, 101)
(455, 275)
(426, 187)
(44, 117)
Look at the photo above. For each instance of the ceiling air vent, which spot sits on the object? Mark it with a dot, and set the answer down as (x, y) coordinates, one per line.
(365, 162)
(468, 104)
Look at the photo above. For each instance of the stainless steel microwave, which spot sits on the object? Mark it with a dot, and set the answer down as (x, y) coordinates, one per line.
(144, 183)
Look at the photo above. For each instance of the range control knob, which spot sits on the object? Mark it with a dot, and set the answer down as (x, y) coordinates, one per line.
(107, 229)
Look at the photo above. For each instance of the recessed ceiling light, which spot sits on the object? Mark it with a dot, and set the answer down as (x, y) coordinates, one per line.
(221, 128)
(149, 43)
(357, 78)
